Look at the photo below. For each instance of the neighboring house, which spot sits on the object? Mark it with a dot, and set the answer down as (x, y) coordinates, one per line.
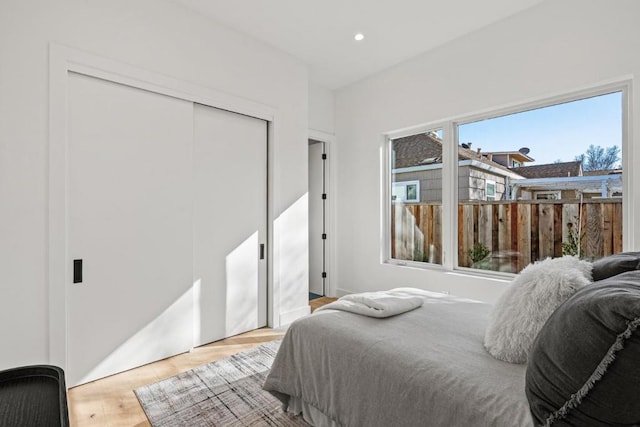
(417, 175)
(565, 180)
(603, 172)
(510, 159)
(550, 170)
(417, 171)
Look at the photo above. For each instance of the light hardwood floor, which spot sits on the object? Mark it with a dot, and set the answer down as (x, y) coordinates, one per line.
(111, 401)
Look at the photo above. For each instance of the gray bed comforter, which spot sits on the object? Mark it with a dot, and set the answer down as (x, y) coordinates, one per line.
(426, 367)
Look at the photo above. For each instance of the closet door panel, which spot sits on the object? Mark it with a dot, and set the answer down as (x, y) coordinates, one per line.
(230, 176)
(130, 222)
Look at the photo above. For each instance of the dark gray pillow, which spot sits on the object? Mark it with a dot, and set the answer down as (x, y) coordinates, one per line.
(615, 264)
(584, 365)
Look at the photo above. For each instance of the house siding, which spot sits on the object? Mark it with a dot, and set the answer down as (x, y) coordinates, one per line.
(430, 183)
(472, 184)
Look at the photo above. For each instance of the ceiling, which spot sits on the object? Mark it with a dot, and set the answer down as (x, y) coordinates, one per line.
(321, 33)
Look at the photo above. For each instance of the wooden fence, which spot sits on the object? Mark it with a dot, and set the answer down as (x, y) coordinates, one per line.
(512, 233)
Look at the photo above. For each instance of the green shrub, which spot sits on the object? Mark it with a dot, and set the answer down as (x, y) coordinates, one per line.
(478, 252)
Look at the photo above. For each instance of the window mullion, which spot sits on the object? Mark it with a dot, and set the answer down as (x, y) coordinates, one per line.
(629, 239)
(449, 196)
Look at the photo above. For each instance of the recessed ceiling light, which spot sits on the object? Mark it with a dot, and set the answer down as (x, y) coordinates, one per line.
(359, 36)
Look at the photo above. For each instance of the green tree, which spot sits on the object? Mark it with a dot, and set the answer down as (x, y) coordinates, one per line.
(598, 158)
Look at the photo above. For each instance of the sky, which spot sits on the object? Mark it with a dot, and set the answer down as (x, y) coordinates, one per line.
(559, 132)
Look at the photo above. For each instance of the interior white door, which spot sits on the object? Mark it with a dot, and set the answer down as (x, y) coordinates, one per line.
(316, 218)
(230, 223)
(130, 222)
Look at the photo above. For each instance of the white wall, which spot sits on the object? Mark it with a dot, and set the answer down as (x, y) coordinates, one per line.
(554, 48)
(321, 109)
(162, 38)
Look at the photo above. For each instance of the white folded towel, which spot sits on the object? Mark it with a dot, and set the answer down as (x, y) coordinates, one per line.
(376, 304)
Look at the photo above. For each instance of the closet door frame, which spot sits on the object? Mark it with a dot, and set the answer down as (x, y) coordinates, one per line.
(64, 60)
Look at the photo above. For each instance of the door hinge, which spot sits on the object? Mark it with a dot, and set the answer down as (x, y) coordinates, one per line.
(324, 274)
(324, 156)
(261, 250)
(324, 196)
(324, 236)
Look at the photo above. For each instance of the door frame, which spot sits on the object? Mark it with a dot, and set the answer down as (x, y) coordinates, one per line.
(62, 60)
(315, 215)
(331, 282)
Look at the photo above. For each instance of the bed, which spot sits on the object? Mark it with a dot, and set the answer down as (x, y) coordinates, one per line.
(427, 367)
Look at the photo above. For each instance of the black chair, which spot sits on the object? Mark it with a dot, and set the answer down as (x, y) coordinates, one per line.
(33, 396)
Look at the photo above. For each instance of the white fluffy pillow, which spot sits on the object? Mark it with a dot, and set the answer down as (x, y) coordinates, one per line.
(527, 303)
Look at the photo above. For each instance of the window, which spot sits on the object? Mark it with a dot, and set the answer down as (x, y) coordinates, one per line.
(547, 195)
(416, 198)
(406, 191)
(566, 168)
(490, 190)
(564, 144)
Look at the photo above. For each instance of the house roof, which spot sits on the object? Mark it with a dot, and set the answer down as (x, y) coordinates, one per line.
(426, 148)
(551, 170)
(519, 156)
(417, 150)
(585, 184)
(603, 172)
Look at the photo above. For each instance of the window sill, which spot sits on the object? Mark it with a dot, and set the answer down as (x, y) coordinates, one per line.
(461, 271)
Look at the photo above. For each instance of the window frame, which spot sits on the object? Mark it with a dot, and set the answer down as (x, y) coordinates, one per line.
(386, 194)
(488, 182)
(406, 185)
(449, 128)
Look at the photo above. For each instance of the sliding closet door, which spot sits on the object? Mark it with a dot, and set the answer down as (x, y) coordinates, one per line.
(230, 212)
(129, 227)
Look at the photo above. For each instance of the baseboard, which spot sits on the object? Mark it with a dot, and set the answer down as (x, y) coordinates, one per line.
(343, 292)
(290, 316)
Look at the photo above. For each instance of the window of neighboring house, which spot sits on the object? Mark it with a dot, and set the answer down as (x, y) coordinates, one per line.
(415, 215)
(496, 222)
(490, 190)
(406, 191)
(515, 164)
(547, 195)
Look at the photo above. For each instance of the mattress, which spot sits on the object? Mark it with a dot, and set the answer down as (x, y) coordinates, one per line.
(424, 367)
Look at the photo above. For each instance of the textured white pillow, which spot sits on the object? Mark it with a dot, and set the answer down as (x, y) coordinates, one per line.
(527, 303)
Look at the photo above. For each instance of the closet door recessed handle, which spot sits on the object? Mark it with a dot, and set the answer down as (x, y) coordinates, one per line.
(77, 271)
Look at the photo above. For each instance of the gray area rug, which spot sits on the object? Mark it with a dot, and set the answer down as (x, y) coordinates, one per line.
(227, 392)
